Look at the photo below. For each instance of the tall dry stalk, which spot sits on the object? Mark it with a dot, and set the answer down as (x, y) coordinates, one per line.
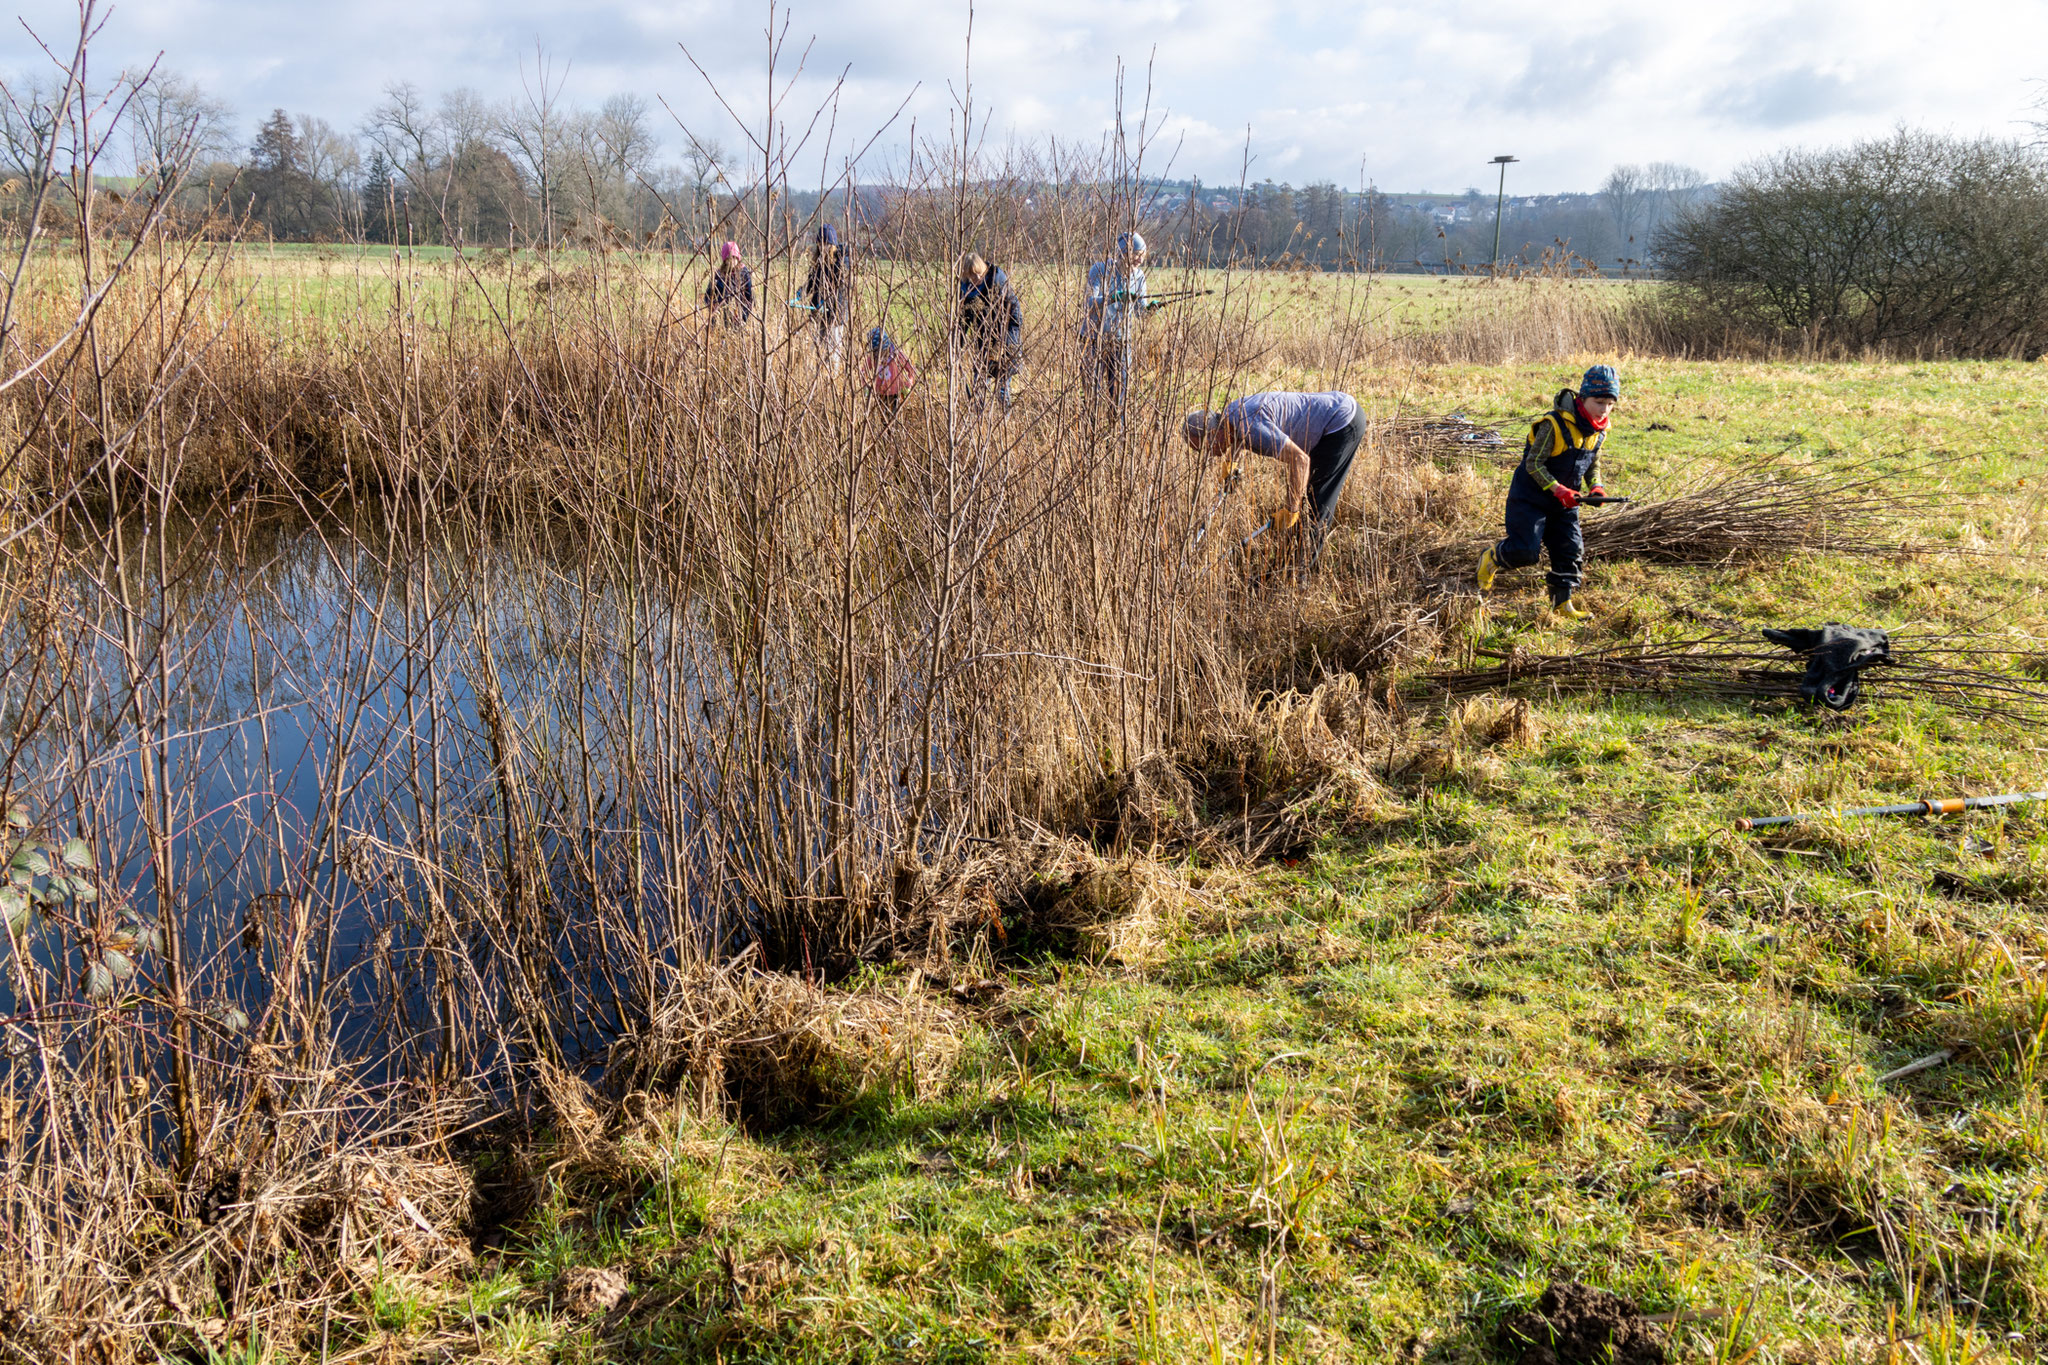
(442, 688)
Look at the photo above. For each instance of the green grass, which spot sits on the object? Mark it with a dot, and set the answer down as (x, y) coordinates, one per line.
(298, 284)
(1551, 1019)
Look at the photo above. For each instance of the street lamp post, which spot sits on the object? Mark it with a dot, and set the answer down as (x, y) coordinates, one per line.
(1499, 197)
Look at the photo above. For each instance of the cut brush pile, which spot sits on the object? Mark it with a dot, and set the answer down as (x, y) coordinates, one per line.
(1962, 673)
(1772, 509)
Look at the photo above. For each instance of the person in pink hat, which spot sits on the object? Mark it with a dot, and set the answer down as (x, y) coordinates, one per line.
(730, 295)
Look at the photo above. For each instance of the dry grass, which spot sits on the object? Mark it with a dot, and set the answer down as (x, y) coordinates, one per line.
(652, 683)
(770, 1049)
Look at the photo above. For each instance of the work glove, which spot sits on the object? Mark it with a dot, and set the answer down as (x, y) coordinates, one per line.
(1282, 519)
(1568, 496)
(1233, 475)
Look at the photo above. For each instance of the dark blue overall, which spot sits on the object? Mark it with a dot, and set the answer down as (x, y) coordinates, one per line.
(1536, 520)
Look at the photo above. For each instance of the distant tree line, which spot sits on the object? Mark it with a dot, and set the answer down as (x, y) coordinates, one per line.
(459, 168)
(1321, 226)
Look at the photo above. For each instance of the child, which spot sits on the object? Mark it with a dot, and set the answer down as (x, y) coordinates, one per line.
(893, 372)
(1560, 465)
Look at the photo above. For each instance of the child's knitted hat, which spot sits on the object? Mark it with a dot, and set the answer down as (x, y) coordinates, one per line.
(1601, 382)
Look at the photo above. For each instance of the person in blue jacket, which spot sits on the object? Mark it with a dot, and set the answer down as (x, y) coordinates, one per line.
(1314, 436)
(1560, 465)
(989, 324)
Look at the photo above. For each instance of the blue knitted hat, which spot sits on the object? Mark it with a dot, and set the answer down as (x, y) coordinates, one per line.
(1601, 382)
(828, 235)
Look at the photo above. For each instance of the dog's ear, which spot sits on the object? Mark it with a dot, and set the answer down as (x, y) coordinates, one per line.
(1800, 641)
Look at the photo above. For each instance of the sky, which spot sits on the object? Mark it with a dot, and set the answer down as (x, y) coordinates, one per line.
(1402, 96)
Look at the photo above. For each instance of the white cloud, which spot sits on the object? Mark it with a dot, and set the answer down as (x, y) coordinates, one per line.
(1419, 96)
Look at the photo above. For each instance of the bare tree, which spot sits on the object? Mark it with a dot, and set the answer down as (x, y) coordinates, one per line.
(615, 145)
(333, 163)
(621, 130)
(1627, 195)
(535, 136)
(406, 131)
(169, 115)
(33, 110)
(466, 120)
(1914, 240)
(1673, 188)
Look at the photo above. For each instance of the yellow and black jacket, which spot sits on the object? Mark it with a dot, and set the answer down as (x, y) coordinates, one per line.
(1561, 449)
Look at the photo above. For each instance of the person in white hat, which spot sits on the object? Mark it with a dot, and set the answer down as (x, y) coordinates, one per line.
(1116, 294)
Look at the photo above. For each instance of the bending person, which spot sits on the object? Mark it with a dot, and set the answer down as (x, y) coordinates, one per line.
(1313, 435)
(989, 324)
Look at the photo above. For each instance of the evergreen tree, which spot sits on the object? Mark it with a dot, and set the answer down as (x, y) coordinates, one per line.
(380, 201)
(280, 190)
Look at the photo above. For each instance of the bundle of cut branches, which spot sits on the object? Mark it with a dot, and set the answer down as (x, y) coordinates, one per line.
(1963, 673)
(1772, 508)
(1452, 433)
(1844, 509)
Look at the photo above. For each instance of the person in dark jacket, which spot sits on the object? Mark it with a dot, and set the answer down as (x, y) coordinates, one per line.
(1560, 465)
(989, 324)
(730, 295)
(828, 289)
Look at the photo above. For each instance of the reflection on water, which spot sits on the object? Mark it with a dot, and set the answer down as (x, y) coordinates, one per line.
(385, 787)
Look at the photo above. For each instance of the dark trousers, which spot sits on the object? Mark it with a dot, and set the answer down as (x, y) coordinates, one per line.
(991, 368)
(1534, 528)
(1329, 465)
(1109, 366)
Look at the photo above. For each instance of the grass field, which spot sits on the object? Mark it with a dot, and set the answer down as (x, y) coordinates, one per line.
(1540, 1014)
(332, 284)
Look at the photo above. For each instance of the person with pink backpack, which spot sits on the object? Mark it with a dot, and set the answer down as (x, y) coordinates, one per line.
(892, 371)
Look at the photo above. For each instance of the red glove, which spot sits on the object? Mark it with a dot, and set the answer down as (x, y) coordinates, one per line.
(1568, 496)
(1597, 491)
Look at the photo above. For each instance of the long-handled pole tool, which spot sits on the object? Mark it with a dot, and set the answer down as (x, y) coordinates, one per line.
(1940, 805)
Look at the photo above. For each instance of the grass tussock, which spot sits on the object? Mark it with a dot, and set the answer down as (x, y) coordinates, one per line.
(770, 1050)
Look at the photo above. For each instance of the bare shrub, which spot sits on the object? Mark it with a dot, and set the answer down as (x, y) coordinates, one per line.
(1919, 242)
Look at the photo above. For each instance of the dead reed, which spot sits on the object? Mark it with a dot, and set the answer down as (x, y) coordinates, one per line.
(434, 700)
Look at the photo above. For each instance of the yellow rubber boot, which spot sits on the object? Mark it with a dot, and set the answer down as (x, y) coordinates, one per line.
(1488, 567)
(1570, 609)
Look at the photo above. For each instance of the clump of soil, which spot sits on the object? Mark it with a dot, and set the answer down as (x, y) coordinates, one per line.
(1574, 1323)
